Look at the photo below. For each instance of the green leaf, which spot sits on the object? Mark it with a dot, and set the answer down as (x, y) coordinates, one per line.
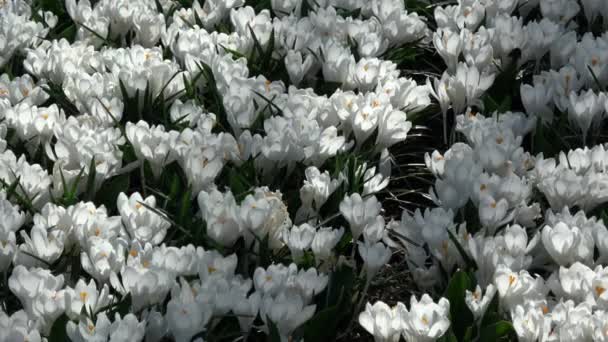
(460, 314)
(470, 262)
(90, 191)
(496, 331)
(58, 331)
(112, 188)
(123, 307)
(323, 325)
(492, 105)
(184, 208)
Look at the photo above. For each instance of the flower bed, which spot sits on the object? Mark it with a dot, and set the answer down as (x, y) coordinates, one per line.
(238, 170)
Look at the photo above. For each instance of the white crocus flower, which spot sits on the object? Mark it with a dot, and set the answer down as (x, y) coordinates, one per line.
(140, 221)
(86, 330)
(574, 282)
(358, 212)
(40, 293)
(382, 321)
(427, 320)
(287, 312)
(185, 317)
(585, 108)
(374, 256)
(86, 296)
(153, 144)
(326, 238)
(127, 328)
(40, 245)
(318, 187)
(528, 323)
(298, 239)
(567, 245)
(478, 302)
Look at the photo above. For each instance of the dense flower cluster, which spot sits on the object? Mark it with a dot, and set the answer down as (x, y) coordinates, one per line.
(523, 225)
(146, 91)
(214, 170)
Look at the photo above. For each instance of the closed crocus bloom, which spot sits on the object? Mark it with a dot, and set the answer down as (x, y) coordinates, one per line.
(600, 324)
(140, 221)
(185, 317)
(8, 248)
(382, 321)
(493, 212)
(573, 282)
(298, 66)
(284, 7)
(147, 286)
(392, 128)
(560, 11)
(338, 63)
(567, 245)
(86, 296)
(100, 257)
(528, 323)
(537, 100)
(374, 257)
(358, 212)
(326, 238)
(272, 280)
(466, 86)
(585, 109)
(478, 302)
(320, 185)
(577, 325)
(213, 264)
(18, 327)
(310, 282)
(13, 219)
(287, 312)
(245, 19)
(449, 44)
(509, 35)
(153, 144)
(127, 329)
(365, 121)
(240, 106)
(298, 239)
(40, 245)
(181, 261)
(221, 214)
(375, 230)
(86, 330)
(427, 320)
(247, 310)
(148, 28)
(40, 294)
